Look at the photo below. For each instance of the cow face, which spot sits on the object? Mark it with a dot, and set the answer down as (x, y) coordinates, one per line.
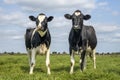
(41, 21)
(77, 19)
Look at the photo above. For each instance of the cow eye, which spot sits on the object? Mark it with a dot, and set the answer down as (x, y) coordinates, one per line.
(45, 19)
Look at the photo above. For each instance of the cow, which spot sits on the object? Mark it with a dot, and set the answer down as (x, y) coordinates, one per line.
(82, 39)
(38, 40)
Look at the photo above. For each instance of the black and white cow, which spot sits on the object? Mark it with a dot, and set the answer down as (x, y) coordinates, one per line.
(37, 40)
(82, 39)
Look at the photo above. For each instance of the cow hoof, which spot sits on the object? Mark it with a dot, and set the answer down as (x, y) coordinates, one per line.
(30, 72)
(81, 71)
(94, 67)
(71, 72)
(49, 73)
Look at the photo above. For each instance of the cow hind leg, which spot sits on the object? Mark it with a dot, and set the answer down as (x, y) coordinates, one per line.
(48, 61)
(82, 60)
(94, 58)
(72, 61)
(32, 60)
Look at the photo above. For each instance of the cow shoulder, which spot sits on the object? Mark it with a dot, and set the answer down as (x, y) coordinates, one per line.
(28, 37)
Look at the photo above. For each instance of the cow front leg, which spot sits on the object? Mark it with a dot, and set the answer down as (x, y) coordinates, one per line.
(72, 61)
(48, 61)
(32, 60)
(29, 56)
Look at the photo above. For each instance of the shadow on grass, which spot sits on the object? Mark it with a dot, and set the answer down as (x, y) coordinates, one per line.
(65, 68)
(114, 71)
(26, 69)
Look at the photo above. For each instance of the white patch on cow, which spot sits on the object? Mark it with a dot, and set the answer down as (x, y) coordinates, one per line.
(72, 62)
(89, 49)
(42, 33)
(76, 26)
(34, 32)
(41, 19)
(77, 13)
(42, 49)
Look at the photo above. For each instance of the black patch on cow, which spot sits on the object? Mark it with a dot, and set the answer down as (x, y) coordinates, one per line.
(28, 36)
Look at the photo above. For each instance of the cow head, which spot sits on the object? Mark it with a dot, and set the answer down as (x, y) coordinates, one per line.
(41, 21)
(77, 19)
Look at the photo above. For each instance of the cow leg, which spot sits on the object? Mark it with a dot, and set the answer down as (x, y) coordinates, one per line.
(83, 62)
(32, 63)
(94, 58)
(72, 61)
(83, 54)
(80, 52)
(48, 61)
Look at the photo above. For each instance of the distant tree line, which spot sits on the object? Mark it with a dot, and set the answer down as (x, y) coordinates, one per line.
(58, 53)
(12, 53)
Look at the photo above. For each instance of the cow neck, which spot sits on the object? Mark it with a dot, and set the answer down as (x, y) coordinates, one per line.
(42, 33)
(77, 31)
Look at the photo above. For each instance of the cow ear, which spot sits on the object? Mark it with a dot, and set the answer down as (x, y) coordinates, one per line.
(50, 18)
(32, 18)
(86, 17)
(68, 16)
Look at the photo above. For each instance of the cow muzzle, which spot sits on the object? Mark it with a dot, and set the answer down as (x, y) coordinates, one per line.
(40, 28)
(76, 27)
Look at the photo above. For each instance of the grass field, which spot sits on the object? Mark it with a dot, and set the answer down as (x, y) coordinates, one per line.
(15, 67)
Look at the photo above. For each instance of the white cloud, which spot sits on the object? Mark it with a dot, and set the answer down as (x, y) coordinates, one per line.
(13, 18)
(59, 22)
(107, 33)
(11, 34)
(17, 37)
(117, 35)
(106, 28)
(102, 3)
(17, 19)
(53, 5)
(10, 1)
(108, 38)
(115, 13)
(1, 9)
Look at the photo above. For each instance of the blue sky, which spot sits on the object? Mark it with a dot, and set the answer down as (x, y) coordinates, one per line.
(14, 21)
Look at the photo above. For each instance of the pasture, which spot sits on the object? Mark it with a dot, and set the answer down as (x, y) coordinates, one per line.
(15, 67)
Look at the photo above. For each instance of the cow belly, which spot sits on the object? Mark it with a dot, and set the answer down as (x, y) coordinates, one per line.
(88, 49)
(42, 49)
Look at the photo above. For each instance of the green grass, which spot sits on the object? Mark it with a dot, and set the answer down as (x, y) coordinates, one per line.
(15, 67)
